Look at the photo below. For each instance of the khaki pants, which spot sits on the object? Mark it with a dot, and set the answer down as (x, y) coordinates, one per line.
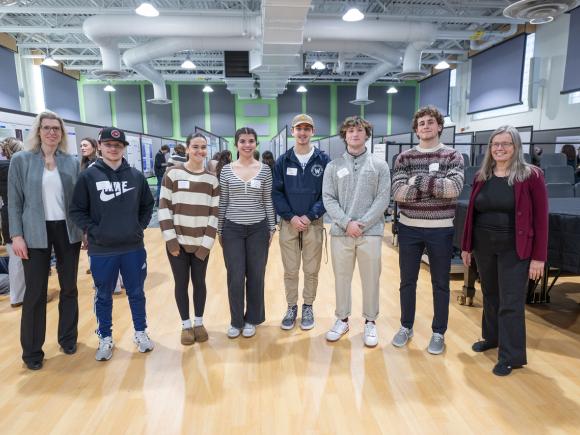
(311, 255)
(367, 251)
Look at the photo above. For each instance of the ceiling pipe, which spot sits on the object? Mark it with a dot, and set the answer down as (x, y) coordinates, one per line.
(156, 79)
(386, 31)
(412, 61)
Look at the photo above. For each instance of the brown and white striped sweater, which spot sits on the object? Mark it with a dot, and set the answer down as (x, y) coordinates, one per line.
(188, 210)
(426, 184)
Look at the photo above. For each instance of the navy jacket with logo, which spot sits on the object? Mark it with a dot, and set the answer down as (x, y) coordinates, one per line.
(113, 206)
(297, 191)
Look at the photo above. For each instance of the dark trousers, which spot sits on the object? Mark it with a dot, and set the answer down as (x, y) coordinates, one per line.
(36, 268)
(439, 245)
(159, 181)
(504, 280)
(245, 252)
(184, 266)
(105, 270)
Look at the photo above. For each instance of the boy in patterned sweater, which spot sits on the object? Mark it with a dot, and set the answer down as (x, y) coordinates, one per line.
(426, 183)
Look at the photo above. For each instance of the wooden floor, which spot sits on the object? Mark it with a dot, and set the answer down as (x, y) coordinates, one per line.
(281, 382)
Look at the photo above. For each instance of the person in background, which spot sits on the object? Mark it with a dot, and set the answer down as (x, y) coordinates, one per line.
(212, 164)
(506, 232)
(159, 168)
(40, 188)
(188, 217)
(268, 159)
(178, 157)
(225, 158)
(9, 147)
(426, 183)
(256, 155)
(572, 160)
(112, 204)
(88, 152)
(356, 191)
(246, 226)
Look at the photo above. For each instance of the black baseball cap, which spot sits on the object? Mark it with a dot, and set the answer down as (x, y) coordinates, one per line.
(112, 133)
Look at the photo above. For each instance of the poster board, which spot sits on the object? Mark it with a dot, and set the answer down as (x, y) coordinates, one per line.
(132, 151)
(147, 154)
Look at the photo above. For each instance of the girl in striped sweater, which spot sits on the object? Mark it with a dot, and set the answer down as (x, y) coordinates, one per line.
(188, 217)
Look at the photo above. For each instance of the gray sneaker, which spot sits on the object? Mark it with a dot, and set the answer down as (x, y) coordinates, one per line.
(105, 350)
(402, 337)
(289, 319)
(143, 342)
(307, 320)
(437, 344)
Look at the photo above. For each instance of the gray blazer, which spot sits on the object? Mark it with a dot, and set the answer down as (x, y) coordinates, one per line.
(26, 210)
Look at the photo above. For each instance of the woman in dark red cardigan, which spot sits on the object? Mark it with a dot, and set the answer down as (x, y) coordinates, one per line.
(506, 229)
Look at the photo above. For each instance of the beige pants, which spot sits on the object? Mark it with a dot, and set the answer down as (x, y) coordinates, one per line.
(367, 251)
(310, 254)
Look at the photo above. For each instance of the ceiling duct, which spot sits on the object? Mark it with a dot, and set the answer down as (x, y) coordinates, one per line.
(412, 61)
(538, 11)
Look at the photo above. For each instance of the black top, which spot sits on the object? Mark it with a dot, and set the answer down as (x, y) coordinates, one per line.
(495, 206)
(4, 165)
(113, 206)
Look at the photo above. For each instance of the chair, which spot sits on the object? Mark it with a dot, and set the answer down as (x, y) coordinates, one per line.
(465, 193)
(470, 174)
(479, 159)
(577, 190)
(556, 159)
(559, 174)
(466, 160)
(560, 190)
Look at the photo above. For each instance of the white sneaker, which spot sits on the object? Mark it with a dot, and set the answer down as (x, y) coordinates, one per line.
(371, 338)
(105, 350)
(233, 332)
(143, 342)
(249, 330)
(338, 330)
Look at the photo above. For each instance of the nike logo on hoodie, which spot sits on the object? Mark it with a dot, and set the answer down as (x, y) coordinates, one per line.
(110, 190)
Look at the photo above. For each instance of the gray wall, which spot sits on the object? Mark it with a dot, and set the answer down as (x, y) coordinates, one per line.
(128, 106)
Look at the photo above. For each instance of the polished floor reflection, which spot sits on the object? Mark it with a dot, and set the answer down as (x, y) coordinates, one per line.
(282, 382)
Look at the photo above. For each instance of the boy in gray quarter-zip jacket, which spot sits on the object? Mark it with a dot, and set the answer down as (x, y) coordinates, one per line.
(356, 191)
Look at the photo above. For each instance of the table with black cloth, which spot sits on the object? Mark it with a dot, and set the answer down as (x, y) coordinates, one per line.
(563, 247)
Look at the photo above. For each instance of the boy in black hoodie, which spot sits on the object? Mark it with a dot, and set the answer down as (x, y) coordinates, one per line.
(113, 204)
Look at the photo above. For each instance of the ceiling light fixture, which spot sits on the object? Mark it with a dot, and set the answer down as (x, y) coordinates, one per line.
(188, 64)
(301, 89)
(319, 66)
(442, 65)
(207, 88)
(147, 10)
(49, 61)
(392, 90)
(353, 14)
(109, 88)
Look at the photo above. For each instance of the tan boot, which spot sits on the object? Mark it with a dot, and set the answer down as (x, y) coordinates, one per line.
(187, 336)
(200, 334)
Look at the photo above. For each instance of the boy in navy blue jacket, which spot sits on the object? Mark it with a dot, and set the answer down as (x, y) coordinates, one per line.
(297, 196)
(113, 204)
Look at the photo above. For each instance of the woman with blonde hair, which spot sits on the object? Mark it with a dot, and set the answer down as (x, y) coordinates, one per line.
(40, 187)
(506, 230)
(9, 147)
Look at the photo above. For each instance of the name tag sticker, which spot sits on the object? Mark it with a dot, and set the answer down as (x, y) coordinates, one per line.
(183, 184)
(433, 167)
(256, 184)
(342, 172)
(292, 171)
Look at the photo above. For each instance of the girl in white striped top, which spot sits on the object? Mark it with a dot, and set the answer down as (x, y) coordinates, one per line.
(246, 226)
(188, 211)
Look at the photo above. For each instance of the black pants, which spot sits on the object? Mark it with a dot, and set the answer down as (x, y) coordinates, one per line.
(245, 253)
(36, 268)
(504, 279)
(439, 244)
(183, 266)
